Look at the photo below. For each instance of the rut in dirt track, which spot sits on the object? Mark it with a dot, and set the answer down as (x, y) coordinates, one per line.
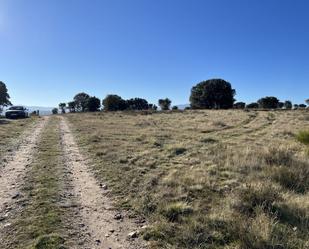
(107, 227)
(15, 163)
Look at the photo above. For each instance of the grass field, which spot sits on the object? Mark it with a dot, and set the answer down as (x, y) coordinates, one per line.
(205, 179)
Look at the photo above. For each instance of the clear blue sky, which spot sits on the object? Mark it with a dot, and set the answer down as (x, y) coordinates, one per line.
(52, 49)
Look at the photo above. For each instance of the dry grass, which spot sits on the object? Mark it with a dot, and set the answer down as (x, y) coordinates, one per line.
(11, 129)
(205, 179)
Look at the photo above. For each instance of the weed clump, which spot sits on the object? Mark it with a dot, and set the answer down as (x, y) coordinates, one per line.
(303, 137)
(257, 196)
(51, 241)
(294, 178)
(173, 212)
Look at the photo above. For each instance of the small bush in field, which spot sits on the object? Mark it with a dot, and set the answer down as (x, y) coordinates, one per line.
(294, 178)
(173, 212)
(303, 137)
(258, 195)
(278, 157)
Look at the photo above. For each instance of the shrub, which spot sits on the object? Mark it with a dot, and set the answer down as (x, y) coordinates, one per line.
(295, 177)
(137, 104)
(303, 137)
(276, 156)
(55, 111)
(173, 212)
(259, 195)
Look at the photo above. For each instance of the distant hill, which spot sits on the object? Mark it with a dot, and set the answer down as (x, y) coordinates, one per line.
(182, 107)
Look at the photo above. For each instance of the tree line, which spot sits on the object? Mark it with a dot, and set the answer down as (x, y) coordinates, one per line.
(209, 94)
(83, 102)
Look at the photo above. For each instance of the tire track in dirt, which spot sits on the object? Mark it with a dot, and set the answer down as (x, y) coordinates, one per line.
(13, 169)
(106, 227)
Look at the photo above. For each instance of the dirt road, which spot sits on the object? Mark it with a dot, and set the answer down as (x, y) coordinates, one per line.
(93, 221)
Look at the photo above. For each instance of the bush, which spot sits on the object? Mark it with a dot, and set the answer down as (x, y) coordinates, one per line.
(295, 177)
(174, 212)
(303, 137)
(262, 195)
(55, 111)
(137, 104)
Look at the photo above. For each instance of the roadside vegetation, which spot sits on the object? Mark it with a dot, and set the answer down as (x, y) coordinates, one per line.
(205, 179)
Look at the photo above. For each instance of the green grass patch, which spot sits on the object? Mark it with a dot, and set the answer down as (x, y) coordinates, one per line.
(303, 137)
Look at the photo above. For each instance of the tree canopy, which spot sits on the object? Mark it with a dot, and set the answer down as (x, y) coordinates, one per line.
(210, 94)
(137, 104)
(268, 103)
(4, 96)
(114, 103)
(165, 104)
(80, 100)
(93, 104)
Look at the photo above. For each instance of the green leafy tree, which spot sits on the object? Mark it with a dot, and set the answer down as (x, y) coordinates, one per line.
(288, 104)
(4, 96)
(253, 105)
(93, 104)
(55, 111)
(72, 106)
(114, 103)
(212, 94)
(165, 104)
(62, 107)
(268, 102)
(137, 104)
(81, 100)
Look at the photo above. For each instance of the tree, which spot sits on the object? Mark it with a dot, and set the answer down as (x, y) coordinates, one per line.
(175, 107)
(307, 101)
(114, 103)
(214, 93)
(288, 104)
(62, 107)
(55, 111)
(280, 105)
(268, 102)
(165, 104)
(81, 101)
(302, 106)
(152, 107)
(4, 96)
(240, 105)
(253, 105)
(72, 106)
(295, 106)
(137, 104)
(93, 104)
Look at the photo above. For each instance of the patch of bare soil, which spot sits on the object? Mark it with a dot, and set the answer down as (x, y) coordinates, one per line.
(106, 227)
(12, 170)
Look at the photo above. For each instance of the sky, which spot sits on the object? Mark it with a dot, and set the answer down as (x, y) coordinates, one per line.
(52, 49)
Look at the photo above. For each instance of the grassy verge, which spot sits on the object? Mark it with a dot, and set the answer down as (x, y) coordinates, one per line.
(11, 129)
(204, 189)
(41, 222)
